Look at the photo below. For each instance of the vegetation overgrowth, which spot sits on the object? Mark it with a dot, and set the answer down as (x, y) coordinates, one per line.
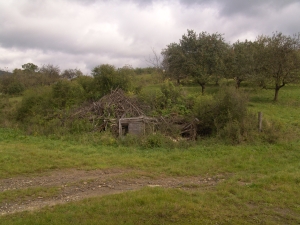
(219, 95)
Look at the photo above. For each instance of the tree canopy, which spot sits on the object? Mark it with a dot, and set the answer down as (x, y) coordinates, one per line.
(199, 55)
(108, 77)
(280, 60)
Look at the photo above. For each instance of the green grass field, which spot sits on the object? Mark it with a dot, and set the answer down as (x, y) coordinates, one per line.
(261, 183)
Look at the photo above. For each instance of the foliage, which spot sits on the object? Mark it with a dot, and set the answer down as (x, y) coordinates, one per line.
(66, 94)
(171, 93)
(152, 98)
(35, 102)
(11, 85)
(7, 112)
(199, 55)
(30, 68)
(145, 70)
(31, 76)
(241, 62)
(226, 110)
(107, 78)
(45, 110)
(173, 61)
(50, 72)
(280, 59)
(71, 74)
(87, 83)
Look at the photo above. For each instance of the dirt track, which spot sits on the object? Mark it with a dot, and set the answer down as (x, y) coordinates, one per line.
(74, 185)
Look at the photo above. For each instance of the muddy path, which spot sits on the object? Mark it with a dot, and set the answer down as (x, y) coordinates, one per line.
(73, 185)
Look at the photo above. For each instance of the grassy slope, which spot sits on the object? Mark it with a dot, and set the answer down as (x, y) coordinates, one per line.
(262, 185)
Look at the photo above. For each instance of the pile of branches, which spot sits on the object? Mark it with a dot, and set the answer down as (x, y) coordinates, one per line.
(109, 109)
(175, 126)
(118, 105)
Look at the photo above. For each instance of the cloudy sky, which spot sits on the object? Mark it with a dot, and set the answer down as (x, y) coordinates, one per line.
(85, 33)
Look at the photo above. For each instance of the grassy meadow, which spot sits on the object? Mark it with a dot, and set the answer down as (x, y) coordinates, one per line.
(261, 183)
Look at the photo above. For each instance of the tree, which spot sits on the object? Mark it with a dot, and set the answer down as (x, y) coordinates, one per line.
(30, 67)
(173, 61)
(88, 85)
(204, 55)
(280, 60)
(107, 78)
(50, 73)
(71, 73)
(155, 61)
(242, 65)
(199, 55)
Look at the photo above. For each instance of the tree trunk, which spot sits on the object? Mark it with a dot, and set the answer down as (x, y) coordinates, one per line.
(276, 93)
(238, 83)
(203, 88)
(277, 88)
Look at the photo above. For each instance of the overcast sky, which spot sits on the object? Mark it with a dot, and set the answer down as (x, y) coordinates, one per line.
(85, 33)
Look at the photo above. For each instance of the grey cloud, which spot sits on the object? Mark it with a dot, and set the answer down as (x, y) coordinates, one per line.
(86, 33)
(250, 8)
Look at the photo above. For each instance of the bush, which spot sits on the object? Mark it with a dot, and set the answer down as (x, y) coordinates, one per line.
(7, 111)
(66, 94)
(15, 88)
(107, 78)
(231, 132)
(35, 102)
(153, 98)
(223, 113)
(231, 106)
(204, 111)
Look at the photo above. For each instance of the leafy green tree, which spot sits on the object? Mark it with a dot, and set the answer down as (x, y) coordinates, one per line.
(173, 62)
(88, 85)
(30, 67)
(199, 55)
(279, 60)
(242, 65)
(107, 78)
(204, 55)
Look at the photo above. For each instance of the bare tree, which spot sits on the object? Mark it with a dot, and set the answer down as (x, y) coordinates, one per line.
(155, 60)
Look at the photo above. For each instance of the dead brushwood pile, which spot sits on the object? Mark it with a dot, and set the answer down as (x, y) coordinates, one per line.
(108, 110)
(177, 126)
(106, 113)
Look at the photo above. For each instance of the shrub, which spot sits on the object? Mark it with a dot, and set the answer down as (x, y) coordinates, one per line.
(152, 98)
(66, 94)
(231, 105)
(35, 102)
(15, 88)
(204, 110)
(224, 112)
(107, 78)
